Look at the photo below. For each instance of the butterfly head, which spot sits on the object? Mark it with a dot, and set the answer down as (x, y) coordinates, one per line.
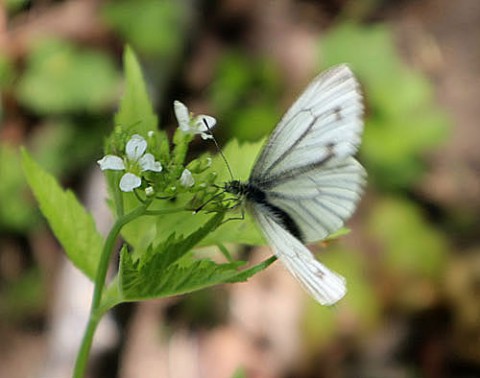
(234, 187)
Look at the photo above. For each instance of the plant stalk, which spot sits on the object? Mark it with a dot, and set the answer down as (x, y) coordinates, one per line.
(95, 314)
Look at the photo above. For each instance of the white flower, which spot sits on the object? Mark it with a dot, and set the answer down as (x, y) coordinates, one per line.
(135, 162)
(193, 124)
(149, 191)
(129, 181)
(186, 179)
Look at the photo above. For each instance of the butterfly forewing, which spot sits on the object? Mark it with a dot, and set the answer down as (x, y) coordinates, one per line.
(324, 122)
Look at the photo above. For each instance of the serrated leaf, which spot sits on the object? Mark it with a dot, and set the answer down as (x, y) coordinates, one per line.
(70, 222)
(136, 114)
(169, 271)
(176, 279)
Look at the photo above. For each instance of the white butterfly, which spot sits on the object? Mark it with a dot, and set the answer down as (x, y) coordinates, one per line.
(305, 182)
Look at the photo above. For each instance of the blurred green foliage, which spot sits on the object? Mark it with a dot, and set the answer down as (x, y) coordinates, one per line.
(66, 146)
(24, 297)
(6, 72)
(403, 120)
(61, 78)
(152, 27)
(245, 95)
(409, 243)
(13, 6)
(14, 214)
(320, 324)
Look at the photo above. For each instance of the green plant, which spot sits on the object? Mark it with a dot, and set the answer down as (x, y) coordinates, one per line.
(152, 188)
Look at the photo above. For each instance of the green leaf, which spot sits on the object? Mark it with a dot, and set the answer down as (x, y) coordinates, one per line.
(152, 27)
(15, 213)
(71, 224)
(169, 270)
(136, 114)
(61, 78)
(241, 158)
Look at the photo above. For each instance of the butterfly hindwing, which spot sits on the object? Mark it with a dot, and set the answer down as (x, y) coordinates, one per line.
(319, 201)
(324, 285)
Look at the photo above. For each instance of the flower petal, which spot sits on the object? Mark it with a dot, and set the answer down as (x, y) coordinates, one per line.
(186, 179)
(136, 146)
(183, 116)
(202, 129)
(206, 136)
(149, 191)
(111, 162)
(200, 122)
(129, 181)
(148, 163)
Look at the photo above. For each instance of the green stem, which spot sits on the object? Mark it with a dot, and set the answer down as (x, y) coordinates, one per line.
(95, 312)
(164, 211)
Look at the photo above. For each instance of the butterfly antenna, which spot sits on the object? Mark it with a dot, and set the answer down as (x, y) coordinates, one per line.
(218, 148)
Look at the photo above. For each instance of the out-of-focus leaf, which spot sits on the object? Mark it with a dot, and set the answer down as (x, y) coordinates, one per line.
(65, 147)
(410, 245)
(23, 297)
(245, 95)
(360, 302)
(6, 71)
(60, 78)
(150, 26)
(253, 122)
(15, 212)
(13, 6)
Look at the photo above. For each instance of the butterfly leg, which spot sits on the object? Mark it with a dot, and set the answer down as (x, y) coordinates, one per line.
(241, 217)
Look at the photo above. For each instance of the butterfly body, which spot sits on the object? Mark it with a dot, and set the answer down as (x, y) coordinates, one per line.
(255, 195)
(305, 182)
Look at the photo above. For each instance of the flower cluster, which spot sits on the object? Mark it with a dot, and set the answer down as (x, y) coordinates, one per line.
(137, 160)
